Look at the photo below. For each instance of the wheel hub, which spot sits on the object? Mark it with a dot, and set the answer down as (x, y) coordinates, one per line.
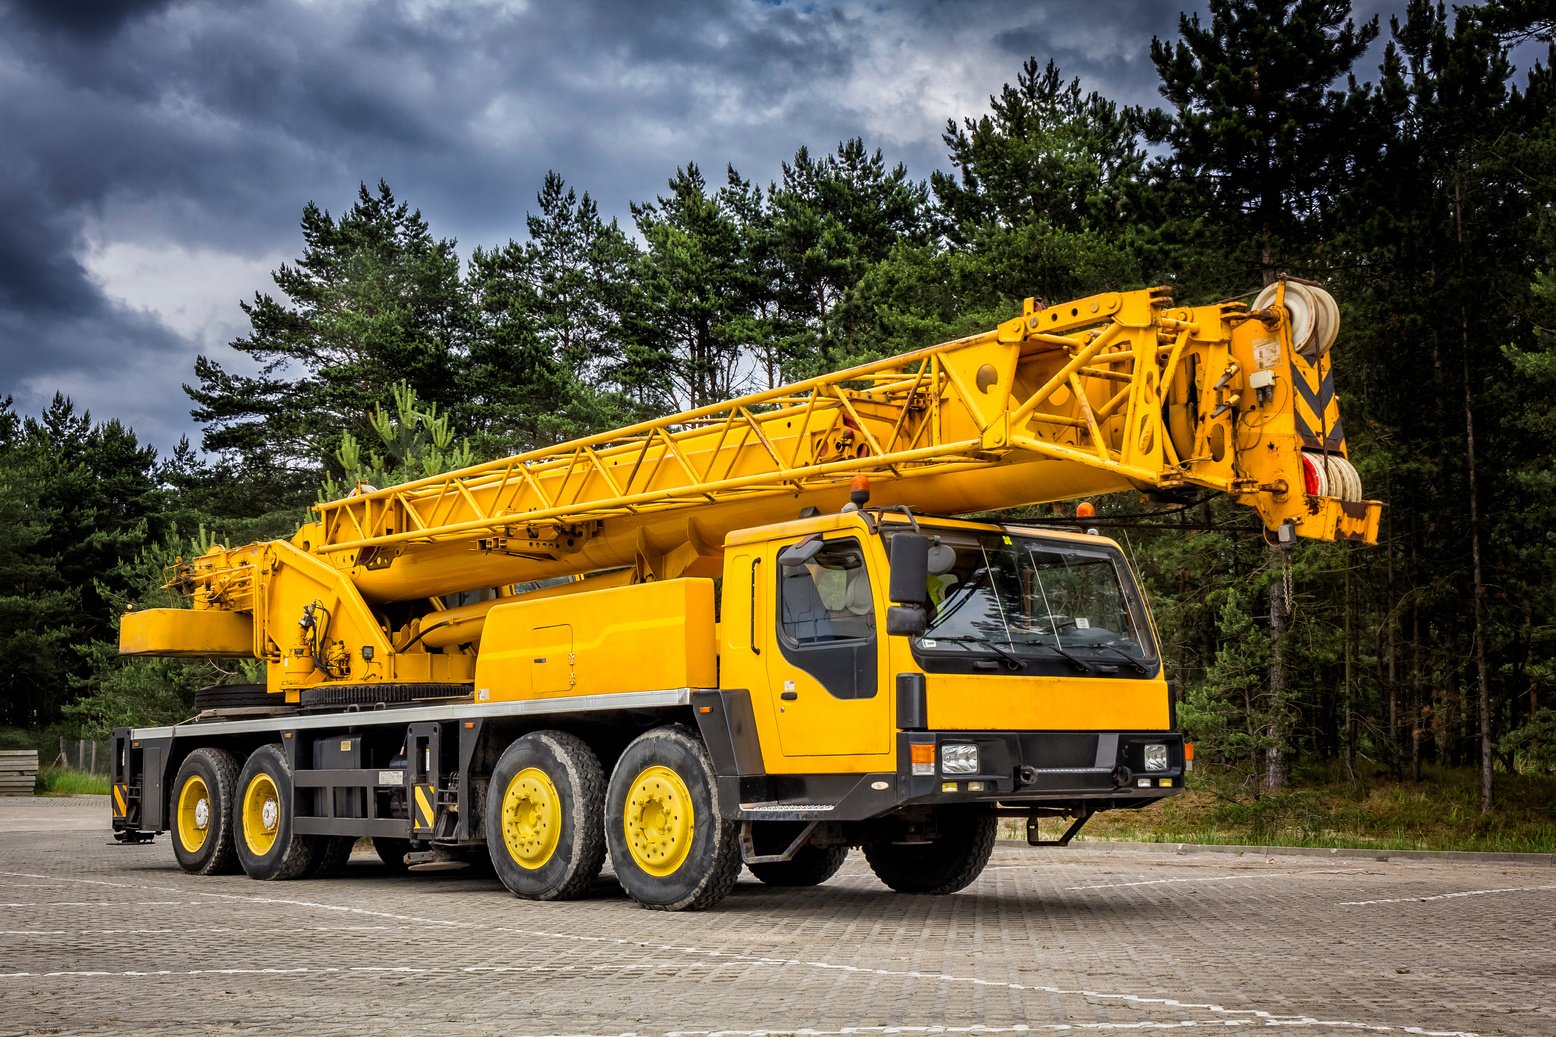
(531, 818)
(202, 814)
(659, 821)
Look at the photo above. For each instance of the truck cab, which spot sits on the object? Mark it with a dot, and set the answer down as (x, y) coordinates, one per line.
(880, 661)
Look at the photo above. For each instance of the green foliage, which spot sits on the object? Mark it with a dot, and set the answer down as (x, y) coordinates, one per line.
(64, 781)
(415, 442)
(1534, 743)
(1223, 712)
(375, 299)
(1263, 120)
(546, 352)
(112, 691)
(1441, 812)
(684, 337)
(1047, 156)
(76, 499)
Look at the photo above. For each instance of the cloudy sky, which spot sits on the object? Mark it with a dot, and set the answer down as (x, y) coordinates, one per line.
(155, 156)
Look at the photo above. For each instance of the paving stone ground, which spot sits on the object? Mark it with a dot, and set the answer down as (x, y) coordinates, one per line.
(104, 939)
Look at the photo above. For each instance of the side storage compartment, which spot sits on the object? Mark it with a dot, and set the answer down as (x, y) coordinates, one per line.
(646, 637)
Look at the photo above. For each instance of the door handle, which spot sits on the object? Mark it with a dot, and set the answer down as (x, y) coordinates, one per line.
(755, 648)
(789, 696)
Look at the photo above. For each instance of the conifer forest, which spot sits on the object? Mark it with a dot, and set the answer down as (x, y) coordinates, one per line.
(1418, 189)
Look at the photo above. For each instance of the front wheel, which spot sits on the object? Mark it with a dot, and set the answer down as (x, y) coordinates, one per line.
(945, 864)
(669, 846)
(543, 816)
(391, 851)
(811, 866)
(203, 794)
(268, 848)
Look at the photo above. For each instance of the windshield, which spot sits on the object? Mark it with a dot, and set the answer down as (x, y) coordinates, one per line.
(1032, 604)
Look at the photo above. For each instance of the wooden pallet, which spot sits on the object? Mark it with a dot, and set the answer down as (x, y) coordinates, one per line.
(18, 772)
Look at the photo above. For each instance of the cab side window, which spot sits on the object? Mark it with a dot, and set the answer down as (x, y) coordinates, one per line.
(826, 619)
(829, 597)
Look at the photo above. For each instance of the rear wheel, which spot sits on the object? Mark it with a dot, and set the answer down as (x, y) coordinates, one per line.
(669, 846)
(543, 816)
(203, 794)
(268, 848)
(811, 866)
(330, 856)
(945, 864)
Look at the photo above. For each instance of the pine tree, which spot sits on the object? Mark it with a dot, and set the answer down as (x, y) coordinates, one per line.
(547, 349)
(1264, 113)
(375, 298)
(684, 335)
(833, 218)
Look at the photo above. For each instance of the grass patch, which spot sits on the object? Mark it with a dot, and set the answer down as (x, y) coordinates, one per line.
(1441, 812)
(66, 781)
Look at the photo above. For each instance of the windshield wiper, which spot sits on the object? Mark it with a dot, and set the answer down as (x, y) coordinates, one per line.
(968, 641)
(1074, 660)
(1136, 664)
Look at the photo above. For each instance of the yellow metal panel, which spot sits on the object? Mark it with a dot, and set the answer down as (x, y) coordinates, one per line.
(639, 638)
(1014, 703)
(178, 632)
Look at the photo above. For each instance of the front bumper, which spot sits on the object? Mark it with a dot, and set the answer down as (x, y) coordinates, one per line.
(1017, 772)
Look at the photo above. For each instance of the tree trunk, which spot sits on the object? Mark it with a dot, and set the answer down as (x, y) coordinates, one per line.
(1277, 768)
(1348, 728)
(1482, 675)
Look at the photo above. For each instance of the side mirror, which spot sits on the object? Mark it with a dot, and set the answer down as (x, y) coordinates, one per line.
(798, 554)
(910, 570)
(906, 621)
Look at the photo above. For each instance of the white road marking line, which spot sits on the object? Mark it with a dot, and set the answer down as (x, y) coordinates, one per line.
(1168, 882)
(1446, 896)
(109, 903)
(209, 930)
(1227, 1016)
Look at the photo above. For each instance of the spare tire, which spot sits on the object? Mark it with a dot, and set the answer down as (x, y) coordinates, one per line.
(236, 696)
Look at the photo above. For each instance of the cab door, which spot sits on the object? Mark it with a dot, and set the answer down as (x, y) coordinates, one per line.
(824, 657)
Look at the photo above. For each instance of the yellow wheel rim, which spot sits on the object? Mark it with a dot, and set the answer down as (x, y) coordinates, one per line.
(531, 818)
(194, 814)
(659, 821)
(261, 814)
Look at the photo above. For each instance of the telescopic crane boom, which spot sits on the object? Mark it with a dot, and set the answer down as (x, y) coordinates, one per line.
(1116, 391)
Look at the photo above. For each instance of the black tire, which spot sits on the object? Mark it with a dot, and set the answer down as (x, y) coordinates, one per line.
(811, 866)
(948, 863)
(331, 853)
(543, 816)
(670, 847)
(267, 846)
(201, 813)
(236, 696)
(391, 851)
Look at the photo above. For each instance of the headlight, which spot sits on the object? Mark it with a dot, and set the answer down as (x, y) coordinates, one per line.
(958, 759)
(1156, 757)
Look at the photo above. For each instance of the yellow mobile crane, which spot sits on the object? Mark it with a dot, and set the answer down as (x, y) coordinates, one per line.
(748, 633)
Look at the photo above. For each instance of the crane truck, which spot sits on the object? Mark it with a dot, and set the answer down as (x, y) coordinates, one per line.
(751, 634)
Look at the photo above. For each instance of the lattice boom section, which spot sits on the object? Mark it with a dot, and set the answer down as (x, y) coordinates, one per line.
(1085, 382)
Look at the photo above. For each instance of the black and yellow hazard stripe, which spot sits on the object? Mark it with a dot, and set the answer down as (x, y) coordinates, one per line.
(121, 801)
(1315, 406)
(424, 817)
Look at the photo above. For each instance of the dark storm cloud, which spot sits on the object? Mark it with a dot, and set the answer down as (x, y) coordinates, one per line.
(84, 18)
(157, 155)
